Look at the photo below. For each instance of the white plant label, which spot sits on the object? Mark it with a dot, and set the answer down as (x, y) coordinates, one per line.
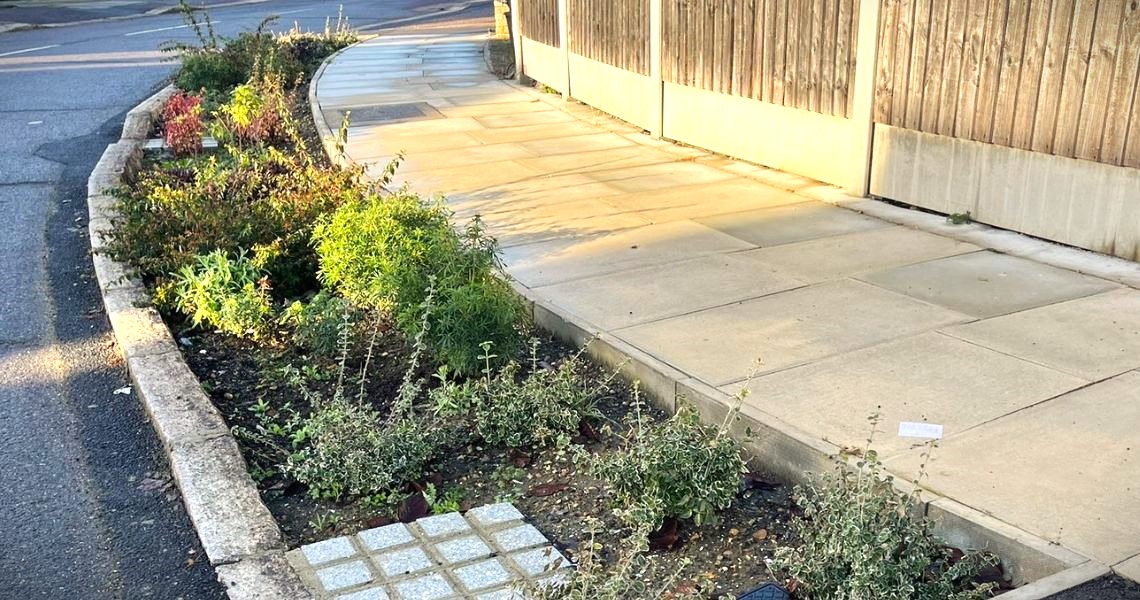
(928, 431)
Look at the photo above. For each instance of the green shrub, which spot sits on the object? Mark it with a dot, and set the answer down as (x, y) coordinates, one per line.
(860, 541)
(319, 323)
(230, 295)
(354, 451)
(310, 49)
(263, 200)
(385, 252)
(257, 112)
(679, 468)
(595, 578)
(217, 64)
(547, 406)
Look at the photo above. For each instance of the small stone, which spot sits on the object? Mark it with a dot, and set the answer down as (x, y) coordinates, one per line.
(344, 575)
(760, 535)
(482, 575)
(328, 550)
(494, 514)
(734, 532)
(400, 562)
(463, 549)
(429, 587)
(388, 536)
(443, 525)
(539, 560)
(517, 538)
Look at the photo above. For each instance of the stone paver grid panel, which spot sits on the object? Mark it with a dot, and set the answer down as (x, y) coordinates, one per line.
(479, 554)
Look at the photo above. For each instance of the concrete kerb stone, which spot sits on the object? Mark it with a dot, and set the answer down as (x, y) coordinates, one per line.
(787, 453)
(1058, 582)
(1129, 568)
(222, 501)
(265, 577)
(239, 535)
(1027, 557)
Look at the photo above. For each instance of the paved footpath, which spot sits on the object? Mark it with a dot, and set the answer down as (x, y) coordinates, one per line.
(697, 262)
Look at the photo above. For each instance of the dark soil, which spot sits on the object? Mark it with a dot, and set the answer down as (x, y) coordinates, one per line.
(544, 485)
(1110, 587)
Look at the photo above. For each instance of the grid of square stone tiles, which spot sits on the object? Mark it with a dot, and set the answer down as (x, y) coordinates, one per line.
(480, 555)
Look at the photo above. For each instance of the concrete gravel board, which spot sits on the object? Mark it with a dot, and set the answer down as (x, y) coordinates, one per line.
(929, 377)
(1094, 337)
(988, 284)
(722, 345)
(1072, 460)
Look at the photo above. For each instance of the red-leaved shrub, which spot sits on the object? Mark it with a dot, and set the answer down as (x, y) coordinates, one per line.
(182, 123)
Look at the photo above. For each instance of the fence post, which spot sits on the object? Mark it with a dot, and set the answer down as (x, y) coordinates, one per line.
(656, 39)
(516, 36)
(863, 103)
(564, 42)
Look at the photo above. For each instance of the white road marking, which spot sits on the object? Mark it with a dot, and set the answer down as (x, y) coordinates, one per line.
(145, 31)
(29, 50)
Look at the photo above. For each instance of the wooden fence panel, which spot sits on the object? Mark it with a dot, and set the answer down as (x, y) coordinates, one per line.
(795, 53)
(1053, 76)
(615, 32)
(538, 20)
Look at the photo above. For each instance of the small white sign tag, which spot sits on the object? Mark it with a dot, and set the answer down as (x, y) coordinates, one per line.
(920, 430)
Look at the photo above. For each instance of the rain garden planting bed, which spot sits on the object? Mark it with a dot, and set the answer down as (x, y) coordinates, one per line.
(374, 365)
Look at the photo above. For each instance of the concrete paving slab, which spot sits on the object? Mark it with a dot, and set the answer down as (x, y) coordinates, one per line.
(1094, 337)
(1129, 569)
(722, 345)
(796, 222)
(561, 260)
(365, 147)
(584, 162)
(546, 117)
(987, 284)
(423, 127)
(572, 219)
(1065, 470)
(929, 377)
(846, 255)
(467, 178)
(577, 143)
(496, 108)
(637, 296)
(528, 133)
(659, 176)
(702, 200)
(472, 155)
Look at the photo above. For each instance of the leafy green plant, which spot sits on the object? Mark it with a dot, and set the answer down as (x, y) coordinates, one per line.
(229, 294)
(182, 125)
(447, 502)
(217, 64)
(311, 48)
(263, 200)
(257, 113)
(960, 218)
(679, 468)
(595, 578)
(860, 540)
(354, 450)
(317, 325)
(385, 251)
(547, 406)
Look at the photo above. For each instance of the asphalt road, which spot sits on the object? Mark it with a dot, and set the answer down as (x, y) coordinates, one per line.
(86, 507)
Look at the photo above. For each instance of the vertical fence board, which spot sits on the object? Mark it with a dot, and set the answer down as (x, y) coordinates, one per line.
(1032, 61)
(935, 71)
(1123, 94)
(1052, 76)
(952, 55)
(1009, 78)
(1102, 60)
(1073, 84)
